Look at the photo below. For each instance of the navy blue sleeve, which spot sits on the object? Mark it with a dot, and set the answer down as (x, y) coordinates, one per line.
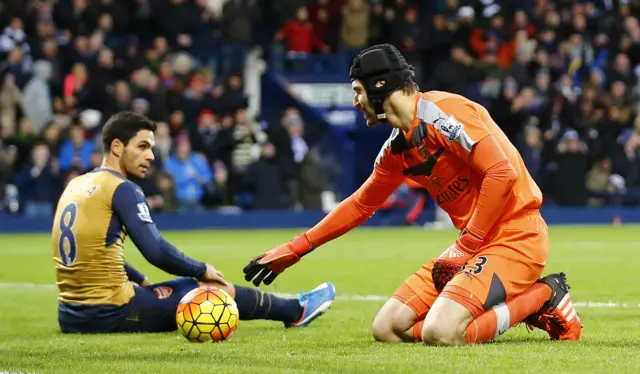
(133, 274)
(130, 205)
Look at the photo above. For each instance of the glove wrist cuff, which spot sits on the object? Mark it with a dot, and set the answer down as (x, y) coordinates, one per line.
(301, 245)
(469, 242)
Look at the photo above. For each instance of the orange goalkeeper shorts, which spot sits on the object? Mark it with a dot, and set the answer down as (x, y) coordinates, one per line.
(511, 260)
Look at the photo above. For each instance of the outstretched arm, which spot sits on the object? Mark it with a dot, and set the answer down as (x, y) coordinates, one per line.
(350, 213)
(131, 208)
(356, 209)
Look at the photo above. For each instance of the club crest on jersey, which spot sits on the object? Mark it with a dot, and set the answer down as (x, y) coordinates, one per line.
(423, 151)
(163, 292)
(450, 128)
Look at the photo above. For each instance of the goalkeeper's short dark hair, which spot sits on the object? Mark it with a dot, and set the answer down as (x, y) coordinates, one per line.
(124, 126)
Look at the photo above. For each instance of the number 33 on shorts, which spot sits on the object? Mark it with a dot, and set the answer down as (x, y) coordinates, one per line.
(475, 265)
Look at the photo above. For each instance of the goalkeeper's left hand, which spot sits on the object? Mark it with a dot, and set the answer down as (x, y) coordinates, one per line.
(454, 258)
(266, 267)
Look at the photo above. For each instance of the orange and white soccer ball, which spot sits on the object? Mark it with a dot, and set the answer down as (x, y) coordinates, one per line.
(207, 314)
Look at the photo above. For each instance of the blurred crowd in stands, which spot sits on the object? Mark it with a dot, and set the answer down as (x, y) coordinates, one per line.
(560, 77)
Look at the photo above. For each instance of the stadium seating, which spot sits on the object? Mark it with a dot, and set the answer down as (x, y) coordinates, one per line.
(564, 91)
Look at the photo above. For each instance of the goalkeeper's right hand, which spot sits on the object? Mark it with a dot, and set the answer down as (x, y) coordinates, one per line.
(266, 267)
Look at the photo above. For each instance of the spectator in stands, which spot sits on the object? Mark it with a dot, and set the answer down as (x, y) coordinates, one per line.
(140, 106)
(288, 137)
(164, 143)
(119, 101)
(156, 96)
(51, 136)
(225, 142)
(24, 139)
(249, 138)
(301, 39)
(50, 53)
(265, 181)
(598, 181)
(36, 101)
(14, 36)
(414, 40)
(76, 151)
(219, 192)
(325, 23)
(232, 95)
(570, 181)
(196, 99)
(167, 190)
(76, 87)
(454, 74)
(354, 31)
(519, 66)
(495, 39)
(632, 153)
(299, 149)
(104, 73)
(215, 141)
(10, 100)
(312, 182)
(238, 18)
(8, 157)
(16, 51)
(208, 131)
(530, 148)
(37, 183)
(191, 174)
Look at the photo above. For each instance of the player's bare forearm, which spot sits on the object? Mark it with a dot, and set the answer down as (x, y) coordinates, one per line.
(498, 177)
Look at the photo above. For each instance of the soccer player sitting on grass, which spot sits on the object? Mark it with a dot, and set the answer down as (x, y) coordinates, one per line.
(488, 280)
(99, 292)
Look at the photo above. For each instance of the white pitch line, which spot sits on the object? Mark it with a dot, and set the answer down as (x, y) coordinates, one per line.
(579, 304)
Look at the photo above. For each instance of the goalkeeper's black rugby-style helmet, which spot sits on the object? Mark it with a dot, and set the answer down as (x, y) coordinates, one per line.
(382, 70)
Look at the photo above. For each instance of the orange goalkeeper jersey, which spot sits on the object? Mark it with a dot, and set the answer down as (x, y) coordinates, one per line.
(455, 151)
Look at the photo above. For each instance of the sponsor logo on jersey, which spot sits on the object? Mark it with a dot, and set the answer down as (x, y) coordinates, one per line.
(453, 191)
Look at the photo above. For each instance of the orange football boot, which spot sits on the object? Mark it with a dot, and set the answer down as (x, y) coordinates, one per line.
(558, 316)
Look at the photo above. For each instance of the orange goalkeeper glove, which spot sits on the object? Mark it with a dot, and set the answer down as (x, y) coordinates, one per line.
(454, 258)
(266, 267)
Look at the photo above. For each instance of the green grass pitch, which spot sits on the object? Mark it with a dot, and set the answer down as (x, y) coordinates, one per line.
(601, 263)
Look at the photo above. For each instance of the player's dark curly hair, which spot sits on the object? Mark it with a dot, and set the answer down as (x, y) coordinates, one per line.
(124, 126)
